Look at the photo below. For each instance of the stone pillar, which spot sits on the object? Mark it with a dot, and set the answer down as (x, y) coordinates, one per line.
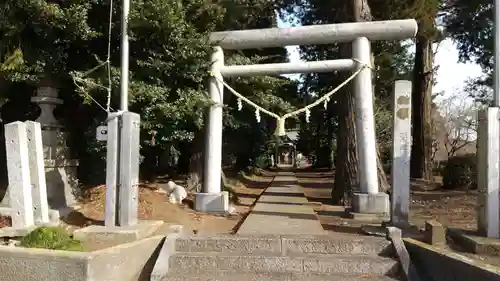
(37, 172)
(213, 199)
(60, 170)
(369, 200)
(488, 173)
(19, 192)
(401, 153)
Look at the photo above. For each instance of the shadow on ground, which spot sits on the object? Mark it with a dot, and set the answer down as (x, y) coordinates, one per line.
(75, 218)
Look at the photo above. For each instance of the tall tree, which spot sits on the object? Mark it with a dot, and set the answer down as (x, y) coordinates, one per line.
(425, 12)
(359, 11)
(470, 24)
(392, 63)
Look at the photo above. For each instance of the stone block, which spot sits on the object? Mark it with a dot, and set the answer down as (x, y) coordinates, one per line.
(435, 233)
(249, 245)
(473, 243)
(118, 234)
(395, 235)
(338, 245)
(131, 261)
(365, 203)
(342, 264)
(441, 264)
(62, 182)
(212, 202)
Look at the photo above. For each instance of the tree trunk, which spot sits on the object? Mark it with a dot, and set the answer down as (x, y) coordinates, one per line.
(421, 152)
(346, 176)
(362, 12)
(330, 132)
(197, 164)
(346, 162)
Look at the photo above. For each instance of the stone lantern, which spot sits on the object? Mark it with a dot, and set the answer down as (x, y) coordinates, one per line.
(60, 170)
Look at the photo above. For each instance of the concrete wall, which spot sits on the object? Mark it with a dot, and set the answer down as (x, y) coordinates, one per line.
(127, 262)
(434, 264)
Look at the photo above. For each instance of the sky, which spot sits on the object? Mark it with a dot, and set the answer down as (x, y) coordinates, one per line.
(451, 75)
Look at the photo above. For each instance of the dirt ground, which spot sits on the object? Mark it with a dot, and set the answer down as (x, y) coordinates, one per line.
(5, 221)
(154, 205)
(453, 208)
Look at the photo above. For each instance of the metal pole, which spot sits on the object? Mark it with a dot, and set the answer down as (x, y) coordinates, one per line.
(124, 57)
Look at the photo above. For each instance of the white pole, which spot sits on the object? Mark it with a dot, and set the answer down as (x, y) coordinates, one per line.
(365, 124)
(124, 57)
(213, 145)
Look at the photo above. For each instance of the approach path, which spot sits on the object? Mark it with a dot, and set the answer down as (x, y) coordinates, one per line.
(283, 208)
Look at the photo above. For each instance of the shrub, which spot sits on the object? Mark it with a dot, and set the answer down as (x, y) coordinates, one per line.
(460, 172)
(53, 238)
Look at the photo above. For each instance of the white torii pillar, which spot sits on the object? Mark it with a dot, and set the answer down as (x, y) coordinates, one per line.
(369, 200)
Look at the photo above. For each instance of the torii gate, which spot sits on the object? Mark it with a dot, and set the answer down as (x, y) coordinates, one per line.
(369, 200)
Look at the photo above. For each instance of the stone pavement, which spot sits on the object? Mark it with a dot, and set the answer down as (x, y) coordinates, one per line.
(282, 209)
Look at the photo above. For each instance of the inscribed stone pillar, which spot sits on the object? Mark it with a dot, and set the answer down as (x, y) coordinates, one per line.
(20, 199)
(37, 172)
(488, 174)
(401, 153)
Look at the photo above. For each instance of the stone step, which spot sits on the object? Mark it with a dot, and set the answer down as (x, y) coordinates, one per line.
(284, 245)
(305, 263)
(232, 276)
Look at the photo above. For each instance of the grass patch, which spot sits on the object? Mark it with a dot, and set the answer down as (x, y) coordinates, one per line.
(52, 238)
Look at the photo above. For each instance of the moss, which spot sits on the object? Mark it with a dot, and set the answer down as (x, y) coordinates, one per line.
(53, 238)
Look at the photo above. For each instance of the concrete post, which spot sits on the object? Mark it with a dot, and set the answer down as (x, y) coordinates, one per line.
(19, 175)
(212, 199)
(401, 153)
(129, 169)
(488, 172)
(37, 172)
(369, 200)
(112, 170)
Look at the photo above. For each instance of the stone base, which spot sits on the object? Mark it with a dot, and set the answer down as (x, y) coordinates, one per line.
(369, 218)
(62, 183)
(212, 202)
(118, 234)
(365, 203)
(473, 243)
